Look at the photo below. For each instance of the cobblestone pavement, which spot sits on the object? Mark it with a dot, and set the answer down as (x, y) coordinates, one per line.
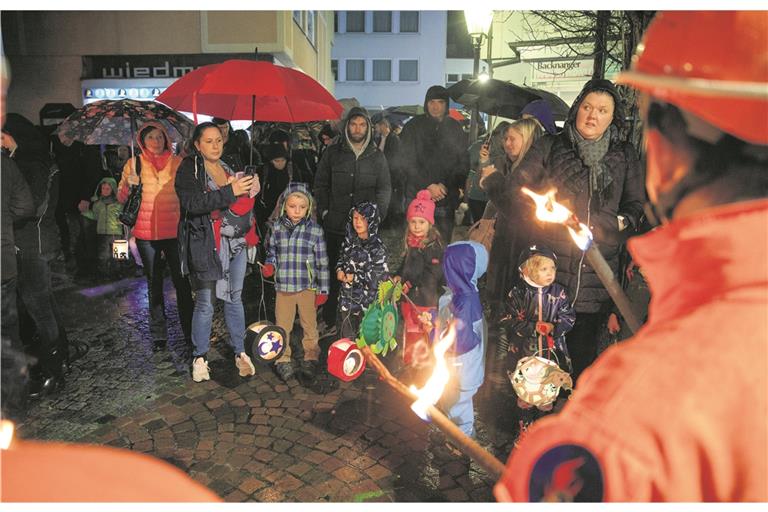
(250, 439)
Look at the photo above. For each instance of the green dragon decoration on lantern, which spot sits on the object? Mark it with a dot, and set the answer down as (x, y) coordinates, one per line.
(379, 324)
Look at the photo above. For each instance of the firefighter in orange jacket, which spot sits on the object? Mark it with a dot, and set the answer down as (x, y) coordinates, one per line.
(679, 412)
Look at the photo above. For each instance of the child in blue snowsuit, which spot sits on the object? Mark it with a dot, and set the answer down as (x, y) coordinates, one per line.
(463, 264)
(362, 266)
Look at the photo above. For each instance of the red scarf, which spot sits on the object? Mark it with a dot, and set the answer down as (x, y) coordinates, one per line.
(158, 161)
(417, 242)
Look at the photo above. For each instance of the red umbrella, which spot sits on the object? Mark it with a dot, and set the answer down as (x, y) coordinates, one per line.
(250, 90)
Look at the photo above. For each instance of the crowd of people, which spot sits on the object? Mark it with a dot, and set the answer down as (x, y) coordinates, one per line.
(644, 424)
(208, 219)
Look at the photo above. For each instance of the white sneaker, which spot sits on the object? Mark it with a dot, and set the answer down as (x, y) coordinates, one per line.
(200, 370)
(244, 364)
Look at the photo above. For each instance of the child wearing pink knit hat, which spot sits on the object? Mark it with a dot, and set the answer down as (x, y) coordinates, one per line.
(421, 273)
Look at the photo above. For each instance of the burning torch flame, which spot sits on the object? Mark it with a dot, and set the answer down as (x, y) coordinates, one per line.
(433, 389)
(549, 210)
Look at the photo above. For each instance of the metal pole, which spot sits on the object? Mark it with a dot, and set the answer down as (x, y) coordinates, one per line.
(476, 43)
(493, 466)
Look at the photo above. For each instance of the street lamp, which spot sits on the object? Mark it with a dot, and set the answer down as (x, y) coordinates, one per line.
(478, 24)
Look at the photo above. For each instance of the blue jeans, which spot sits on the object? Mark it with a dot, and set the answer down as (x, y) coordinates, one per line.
(154, 267)
(234, 313)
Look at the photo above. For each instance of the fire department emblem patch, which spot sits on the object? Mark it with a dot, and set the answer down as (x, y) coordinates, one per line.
(566, 473)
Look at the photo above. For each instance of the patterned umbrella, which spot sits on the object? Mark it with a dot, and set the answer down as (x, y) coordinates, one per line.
(115, 122)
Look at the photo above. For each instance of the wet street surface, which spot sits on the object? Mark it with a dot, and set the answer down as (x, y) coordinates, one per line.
(251, 439)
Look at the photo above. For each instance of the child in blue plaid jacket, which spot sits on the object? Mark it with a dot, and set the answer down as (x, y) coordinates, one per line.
(297, 257)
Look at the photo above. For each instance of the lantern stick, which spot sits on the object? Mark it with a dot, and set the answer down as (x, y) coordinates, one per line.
(463, 442)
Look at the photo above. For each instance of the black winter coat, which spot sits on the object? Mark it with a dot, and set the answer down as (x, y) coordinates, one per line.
(434, 152)
(39, 234)
(552, 161)
(344, 180)
(273, 183)
(423, 268)
(197, 247)
(17, 203)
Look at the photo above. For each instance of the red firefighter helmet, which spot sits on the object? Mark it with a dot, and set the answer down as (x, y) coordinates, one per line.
(713, 64)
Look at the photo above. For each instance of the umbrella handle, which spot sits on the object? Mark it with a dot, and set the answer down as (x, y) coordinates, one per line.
(194, 107)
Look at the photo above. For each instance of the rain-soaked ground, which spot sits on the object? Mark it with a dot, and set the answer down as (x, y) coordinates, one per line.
(252, 439)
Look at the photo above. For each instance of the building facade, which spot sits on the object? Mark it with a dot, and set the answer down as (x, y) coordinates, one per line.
(78, 56)
(388, 58)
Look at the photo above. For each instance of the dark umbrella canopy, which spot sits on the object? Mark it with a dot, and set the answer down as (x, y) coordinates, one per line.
(559, 107)
(115, 122)
(500, 98)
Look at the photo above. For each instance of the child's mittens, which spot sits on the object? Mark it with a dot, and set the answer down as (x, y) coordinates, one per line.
(268, 270)
(321, 299)
(251, 238)
(544, 328)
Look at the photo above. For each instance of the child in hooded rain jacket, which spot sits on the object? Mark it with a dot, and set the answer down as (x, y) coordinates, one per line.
(421, 273)
(297, 258)
(362, 266)
(463, 264)
(539, 312)
(105, 210)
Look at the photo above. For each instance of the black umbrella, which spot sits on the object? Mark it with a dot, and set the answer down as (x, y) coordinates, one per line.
(505, 99)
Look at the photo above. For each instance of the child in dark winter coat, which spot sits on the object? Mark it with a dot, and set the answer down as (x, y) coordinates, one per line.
(539, 312)
(421, 273)
(361, 267)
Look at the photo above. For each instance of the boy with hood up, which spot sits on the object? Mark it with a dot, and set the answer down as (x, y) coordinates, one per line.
(361, 267)
(296, 256)
(351, 170)
(463, 264)
(105, 210)
(434, 156)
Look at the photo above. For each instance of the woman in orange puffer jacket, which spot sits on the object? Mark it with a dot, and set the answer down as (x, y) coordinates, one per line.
(156, 227)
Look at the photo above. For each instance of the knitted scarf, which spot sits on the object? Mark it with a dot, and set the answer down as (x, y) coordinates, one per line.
(414, 241)
(592, 153)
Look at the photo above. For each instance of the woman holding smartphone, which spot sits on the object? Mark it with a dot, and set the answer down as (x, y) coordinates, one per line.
(216, 227)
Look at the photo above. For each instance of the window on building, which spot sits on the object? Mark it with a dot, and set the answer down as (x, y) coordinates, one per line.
(409, 70)
(336, 22)
(409, 21)
(382, 70)
(355, 70)
(311, 27)
(355, 21)
(382, 21)
(467, 76)
(335, 69)
(297, 17)
(453, 77)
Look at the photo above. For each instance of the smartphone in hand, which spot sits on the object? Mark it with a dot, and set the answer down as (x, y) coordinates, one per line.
(250, 170)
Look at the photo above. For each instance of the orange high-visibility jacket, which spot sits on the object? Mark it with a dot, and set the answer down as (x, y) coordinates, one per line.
(62, 472)
(679, 412)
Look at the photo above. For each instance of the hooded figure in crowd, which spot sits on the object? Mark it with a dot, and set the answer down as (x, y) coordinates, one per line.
(364, 260)
(463, 264)
(434, 157)
(351, 171)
